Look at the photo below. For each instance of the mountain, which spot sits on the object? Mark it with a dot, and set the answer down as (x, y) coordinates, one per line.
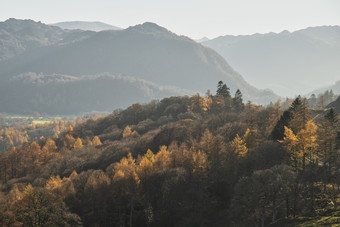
(289, 63)
(201, 40)
(146, 52)
(18, 36)
(63, 94)
(335, 88)
(85, 25)
(335, 105)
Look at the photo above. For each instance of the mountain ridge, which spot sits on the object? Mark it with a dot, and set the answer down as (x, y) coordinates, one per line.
(273, 60)
(95, 26)
(145, 51)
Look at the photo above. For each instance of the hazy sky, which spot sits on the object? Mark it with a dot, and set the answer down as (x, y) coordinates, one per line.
(194, 18)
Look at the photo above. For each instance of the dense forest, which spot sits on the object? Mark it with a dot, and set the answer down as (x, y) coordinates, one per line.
(180, 161)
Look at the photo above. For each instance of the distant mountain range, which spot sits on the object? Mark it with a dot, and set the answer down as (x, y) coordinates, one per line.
(201, 40)
(18, 36)
(146, 52)
(86, 26)
(335, 88)
(288, 63)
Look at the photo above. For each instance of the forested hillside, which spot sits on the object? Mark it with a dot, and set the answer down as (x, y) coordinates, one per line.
(66, 95)
(180, 161)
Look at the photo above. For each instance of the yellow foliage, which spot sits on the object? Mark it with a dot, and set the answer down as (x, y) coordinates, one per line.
(305, 142)
(73, 175)
(78, 144)
(49, 146)
(308, 138)
(145, 166)
(200, 104)
(239, 147)
(69, 129)
(199, 161)
(127, 132)
(290, 141)
(54, 183)
(126, 169)
(96, 141)
(162, 159)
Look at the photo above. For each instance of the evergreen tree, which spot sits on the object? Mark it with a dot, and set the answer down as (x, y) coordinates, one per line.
(238, 101)
(223, 90)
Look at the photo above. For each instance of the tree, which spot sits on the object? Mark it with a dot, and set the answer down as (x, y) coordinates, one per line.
(300, 114)
(238, 146)
(145, 166)
(78, 144)
(291, 142)
(127, 132)
(328, 134)
(308, 142)
(96, 141)
(295, 118)
(238, 101)
(49, 146)
(223, 90)
(39, 207)
(302, 144)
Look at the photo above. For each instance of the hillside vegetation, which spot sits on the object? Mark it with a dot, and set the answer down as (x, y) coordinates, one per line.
(181, 161)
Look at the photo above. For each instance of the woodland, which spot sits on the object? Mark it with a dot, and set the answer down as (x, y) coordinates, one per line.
(196, 160)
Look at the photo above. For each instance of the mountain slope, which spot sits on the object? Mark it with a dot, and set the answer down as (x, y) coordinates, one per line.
(63, 94)
(335, 88)
(85, 25)
(335, 105)
(146, 51)
(288, 63)
(18, 36)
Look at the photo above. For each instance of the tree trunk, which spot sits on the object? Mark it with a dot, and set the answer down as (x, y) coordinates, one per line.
(287, 206)
(303, 161)
(131, 212)
(274, 210)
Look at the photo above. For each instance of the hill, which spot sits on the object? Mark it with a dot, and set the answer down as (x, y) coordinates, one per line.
(182, 161)
(335, 88)
(66, 95)
(289, 63)
(86, 25)
(147, 51)
(335, 105)
(18, 36)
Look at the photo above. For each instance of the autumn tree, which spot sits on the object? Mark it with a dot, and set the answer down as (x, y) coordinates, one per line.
(78, 144)
(38, 207)
(238, 147)
(127, 132)
(96, 141)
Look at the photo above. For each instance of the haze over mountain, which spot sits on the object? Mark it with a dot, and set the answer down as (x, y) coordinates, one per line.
(335, 88)
(63, 94)
(335, 105)
(18, 36)
(289, 63)
(147, 52)
(86, 25)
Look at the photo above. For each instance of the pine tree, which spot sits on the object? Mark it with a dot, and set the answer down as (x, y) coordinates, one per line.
(238, 101)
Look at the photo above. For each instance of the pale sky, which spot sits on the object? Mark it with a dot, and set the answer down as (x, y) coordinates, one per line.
(193, 18)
